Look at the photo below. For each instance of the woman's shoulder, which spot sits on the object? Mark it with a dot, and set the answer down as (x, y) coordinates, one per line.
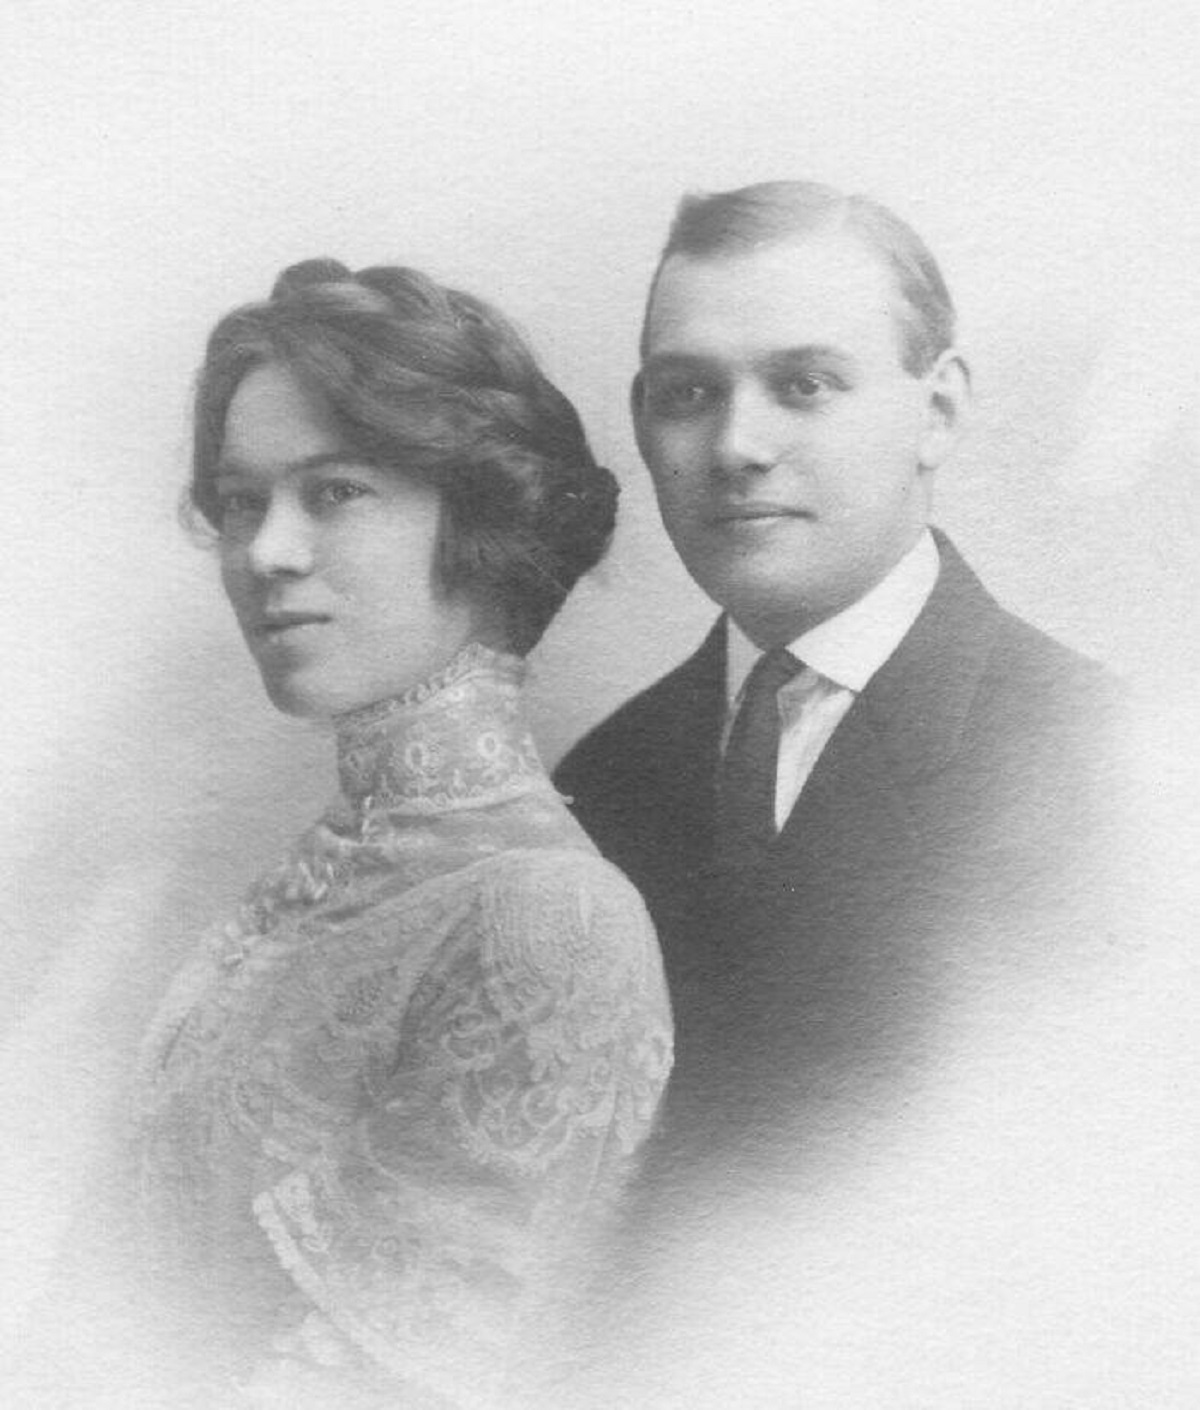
(572, 864)
(577, 878)
(564, 911)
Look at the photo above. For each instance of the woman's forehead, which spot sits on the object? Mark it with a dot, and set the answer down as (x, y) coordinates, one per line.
(273, 421)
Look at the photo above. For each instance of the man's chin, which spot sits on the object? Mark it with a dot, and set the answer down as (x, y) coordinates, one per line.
(769, 605)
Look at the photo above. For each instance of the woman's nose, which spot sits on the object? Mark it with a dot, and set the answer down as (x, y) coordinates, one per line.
(752, 434)
(282, 542)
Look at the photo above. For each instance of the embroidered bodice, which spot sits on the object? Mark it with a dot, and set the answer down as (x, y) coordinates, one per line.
(386, 1106)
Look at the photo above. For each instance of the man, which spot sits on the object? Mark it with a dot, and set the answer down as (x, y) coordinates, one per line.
(871, 785)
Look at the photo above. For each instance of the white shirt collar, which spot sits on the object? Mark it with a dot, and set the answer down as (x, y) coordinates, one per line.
(850, 647)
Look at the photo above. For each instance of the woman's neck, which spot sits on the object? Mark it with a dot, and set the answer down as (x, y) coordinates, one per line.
(458, 739)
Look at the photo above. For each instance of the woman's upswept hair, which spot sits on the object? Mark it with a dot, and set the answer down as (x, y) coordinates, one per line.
(730, 223)
(436, 384)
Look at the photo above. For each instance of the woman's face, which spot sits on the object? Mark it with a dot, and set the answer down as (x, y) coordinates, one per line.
(328, 562)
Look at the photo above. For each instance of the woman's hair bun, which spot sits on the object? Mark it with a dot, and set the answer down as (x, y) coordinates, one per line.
(583, 513)
(307, 273)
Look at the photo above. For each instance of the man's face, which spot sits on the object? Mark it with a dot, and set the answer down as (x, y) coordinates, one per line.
(790, 450)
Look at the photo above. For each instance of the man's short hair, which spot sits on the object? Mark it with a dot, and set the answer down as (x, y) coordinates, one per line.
(731, 223)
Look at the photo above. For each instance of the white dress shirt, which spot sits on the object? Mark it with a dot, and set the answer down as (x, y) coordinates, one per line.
(840, 655)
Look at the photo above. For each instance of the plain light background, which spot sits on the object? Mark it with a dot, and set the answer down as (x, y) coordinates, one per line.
(163, 161)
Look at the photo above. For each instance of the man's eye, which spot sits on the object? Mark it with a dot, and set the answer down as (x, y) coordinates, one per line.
(804, 387)
(680, 398)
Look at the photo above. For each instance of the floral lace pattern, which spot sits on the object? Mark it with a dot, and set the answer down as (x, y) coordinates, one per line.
(458, 740)
(406, 1081)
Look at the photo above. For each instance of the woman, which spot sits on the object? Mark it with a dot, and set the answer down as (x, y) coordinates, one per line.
(385, 1109)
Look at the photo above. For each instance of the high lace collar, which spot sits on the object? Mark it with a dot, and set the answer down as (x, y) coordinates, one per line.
(456, 740)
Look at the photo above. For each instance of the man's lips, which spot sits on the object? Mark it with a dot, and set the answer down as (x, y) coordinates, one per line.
(750, 510)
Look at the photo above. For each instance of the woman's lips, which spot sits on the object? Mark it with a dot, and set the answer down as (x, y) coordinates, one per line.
(278, 624)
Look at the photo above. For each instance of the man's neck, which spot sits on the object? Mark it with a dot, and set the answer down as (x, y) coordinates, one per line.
(848, 646)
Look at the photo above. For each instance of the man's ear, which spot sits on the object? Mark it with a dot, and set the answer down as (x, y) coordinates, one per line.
(949, 387)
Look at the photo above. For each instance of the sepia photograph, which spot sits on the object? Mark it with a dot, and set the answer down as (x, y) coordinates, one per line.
(600, 782)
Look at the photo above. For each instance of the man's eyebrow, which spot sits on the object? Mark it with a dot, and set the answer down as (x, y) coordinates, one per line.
(668, 361)
(235, 469)
(802, 353)
(807, 353)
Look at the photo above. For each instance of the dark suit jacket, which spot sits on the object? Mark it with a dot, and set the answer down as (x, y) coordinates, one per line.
(951, 828)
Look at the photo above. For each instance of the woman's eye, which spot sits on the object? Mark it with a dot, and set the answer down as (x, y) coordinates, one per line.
(236, 507)
(332, 493)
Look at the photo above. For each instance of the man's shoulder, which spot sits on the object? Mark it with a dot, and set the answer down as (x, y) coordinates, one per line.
(973, 685)
(1059, 682)
(1014, 656)
(639, 731)
(1038, 743)
(641, 717)
(641, 781)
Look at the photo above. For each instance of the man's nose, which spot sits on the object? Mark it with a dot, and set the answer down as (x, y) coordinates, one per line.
(282, 542)
(752, 433)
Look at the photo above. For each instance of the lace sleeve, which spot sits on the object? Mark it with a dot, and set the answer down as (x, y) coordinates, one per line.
(496, 1129)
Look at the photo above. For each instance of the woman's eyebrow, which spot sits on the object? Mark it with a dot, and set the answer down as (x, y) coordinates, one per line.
(235, 469)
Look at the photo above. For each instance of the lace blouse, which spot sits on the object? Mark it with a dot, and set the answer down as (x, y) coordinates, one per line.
(386, 1108)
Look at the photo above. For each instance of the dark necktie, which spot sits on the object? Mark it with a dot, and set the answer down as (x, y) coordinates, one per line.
(746, 788)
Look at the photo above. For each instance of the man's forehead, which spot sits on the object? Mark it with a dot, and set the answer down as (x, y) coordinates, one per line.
(785, 293)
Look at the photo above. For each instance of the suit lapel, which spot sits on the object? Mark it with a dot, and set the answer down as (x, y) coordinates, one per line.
(921, 697)
(851, 807)
(907, 724)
